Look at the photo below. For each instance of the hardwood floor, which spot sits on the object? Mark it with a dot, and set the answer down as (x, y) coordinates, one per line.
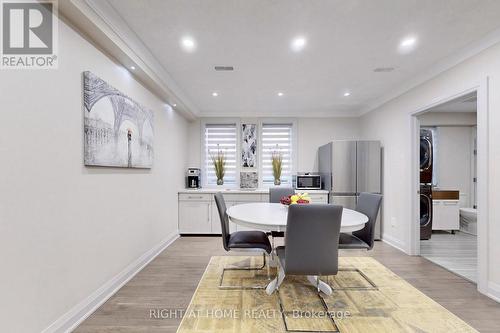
(170, 280)
(455, 252)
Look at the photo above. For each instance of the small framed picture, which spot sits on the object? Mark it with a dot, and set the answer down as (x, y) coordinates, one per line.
(249, 179)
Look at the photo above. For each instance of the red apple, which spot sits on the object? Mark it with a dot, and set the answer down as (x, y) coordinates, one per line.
(285, 200)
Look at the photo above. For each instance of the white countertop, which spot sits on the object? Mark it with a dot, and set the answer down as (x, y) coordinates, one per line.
(243, 191)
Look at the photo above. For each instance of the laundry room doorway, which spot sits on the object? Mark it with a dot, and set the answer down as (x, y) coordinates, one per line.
(449, 178)
(448, 215)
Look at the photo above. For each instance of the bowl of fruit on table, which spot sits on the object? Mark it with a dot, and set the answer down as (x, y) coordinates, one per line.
(296, 199)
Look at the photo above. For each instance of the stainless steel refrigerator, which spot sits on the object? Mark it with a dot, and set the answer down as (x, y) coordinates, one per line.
(348, 168)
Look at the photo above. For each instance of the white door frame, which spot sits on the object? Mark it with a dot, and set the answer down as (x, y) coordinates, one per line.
(481, 88)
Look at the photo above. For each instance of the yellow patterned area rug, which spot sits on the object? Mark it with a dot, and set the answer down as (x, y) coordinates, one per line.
(395, 307)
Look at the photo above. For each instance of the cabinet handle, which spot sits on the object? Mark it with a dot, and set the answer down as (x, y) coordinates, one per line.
(194, 197)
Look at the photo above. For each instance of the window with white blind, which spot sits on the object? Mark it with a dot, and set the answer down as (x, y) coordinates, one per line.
(220, 137)
(277, 137)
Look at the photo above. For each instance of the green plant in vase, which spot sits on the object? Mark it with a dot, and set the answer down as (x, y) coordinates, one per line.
(277, 162)
(219, 162)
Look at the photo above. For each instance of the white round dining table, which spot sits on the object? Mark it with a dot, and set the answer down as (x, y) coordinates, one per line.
(273, 216)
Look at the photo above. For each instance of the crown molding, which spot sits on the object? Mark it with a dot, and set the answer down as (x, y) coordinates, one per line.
(327, 113)
(107, 30)
(447, 63)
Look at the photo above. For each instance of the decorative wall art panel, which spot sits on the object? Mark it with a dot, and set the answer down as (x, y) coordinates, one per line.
(249, 179)
(118, 132)
(249, 145)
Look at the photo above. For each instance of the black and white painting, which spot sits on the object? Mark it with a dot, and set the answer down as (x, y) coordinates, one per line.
(118, 131)
(249, 145)
(249, 179)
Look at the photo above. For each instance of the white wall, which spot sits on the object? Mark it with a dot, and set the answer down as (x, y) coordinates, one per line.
(194, 144)
(454, 154)
(311, 133)
(66, 229)
(391, 124)
(448, 119)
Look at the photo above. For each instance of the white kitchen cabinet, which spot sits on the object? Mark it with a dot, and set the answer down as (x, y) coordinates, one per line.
(194, 217)
(204, 197)
(445, 215)
(318, 198)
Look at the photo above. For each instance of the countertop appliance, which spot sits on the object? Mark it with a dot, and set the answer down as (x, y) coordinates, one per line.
(307, 181)
(193, 178)
(348, 168)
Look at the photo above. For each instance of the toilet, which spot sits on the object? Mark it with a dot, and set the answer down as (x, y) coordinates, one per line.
(468, 220)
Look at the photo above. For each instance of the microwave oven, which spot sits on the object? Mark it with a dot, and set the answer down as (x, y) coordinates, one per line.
(308, 182)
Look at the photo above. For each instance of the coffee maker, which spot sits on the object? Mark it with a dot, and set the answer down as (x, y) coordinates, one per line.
(193, 179)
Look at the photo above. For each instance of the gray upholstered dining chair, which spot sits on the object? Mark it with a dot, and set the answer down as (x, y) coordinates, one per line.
(368, 204)
(275, 195)
(251, 241)
(311, 245)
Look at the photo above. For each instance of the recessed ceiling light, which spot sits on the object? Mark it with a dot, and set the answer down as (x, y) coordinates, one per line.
(347, 94)
(188, 44)
(298, 44)
(215, 94)
(132, 67)
(280, 94)
(174, 105)
(410, 41)
(408, 44)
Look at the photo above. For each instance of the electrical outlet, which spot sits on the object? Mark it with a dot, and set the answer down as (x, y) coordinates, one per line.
(393, 222)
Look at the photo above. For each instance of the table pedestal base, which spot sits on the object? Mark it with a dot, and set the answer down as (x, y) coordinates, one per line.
(322, 286)
(313, 279)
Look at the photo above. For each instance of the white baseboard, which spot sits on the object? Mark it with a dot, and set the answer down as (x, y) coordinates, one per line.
(71, 319)
(394, 242)
(494, 291)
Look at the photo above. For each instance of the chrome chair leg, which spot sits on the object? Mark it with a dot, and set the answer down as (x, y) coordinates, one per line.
(264, 264)
(268, 271)
(372, 286)
(323, 303)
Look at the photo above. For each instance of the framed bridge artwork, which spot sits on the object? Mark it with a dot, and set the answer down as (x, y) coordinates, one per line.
(118, 132)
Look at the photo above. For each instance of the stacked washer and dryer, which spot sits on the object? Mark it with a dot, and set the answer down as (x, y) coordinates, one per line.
(426, 158)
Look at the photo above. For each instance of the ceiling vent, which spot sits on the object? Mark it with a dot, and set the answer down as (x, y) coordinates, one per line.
(224, 68)
(383, 69)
